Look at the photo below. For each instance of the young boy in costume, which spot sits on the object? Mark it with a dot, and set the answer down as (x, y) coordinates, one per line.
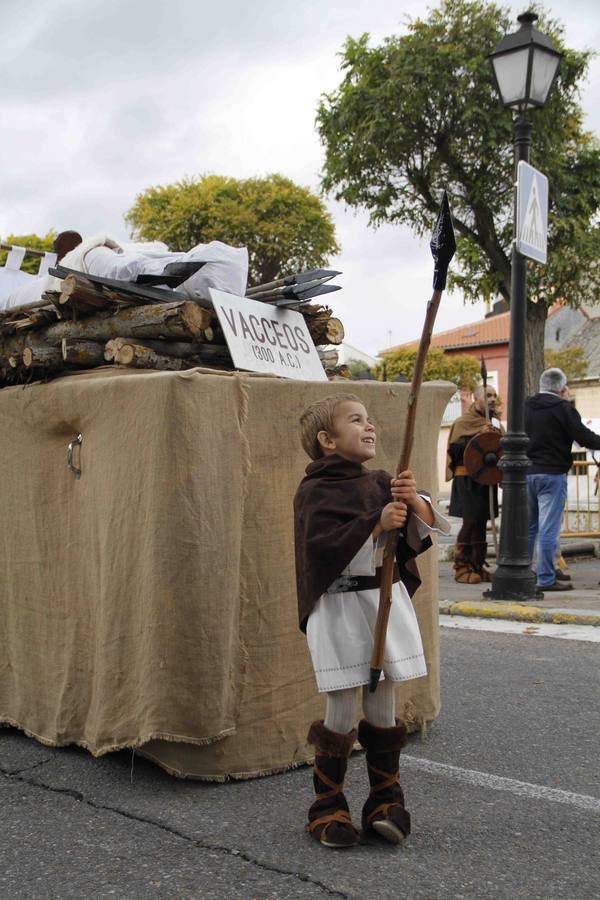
(342, 512)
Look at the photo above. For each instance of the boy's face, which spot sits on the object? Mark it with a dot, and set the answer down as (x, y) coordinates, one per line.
(353, 434)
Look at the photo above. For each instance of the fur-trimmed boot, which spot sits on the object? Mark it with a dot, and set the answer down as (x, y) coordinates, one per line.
(329, 819)
(464, 570)
(479, 557)
(384, 811)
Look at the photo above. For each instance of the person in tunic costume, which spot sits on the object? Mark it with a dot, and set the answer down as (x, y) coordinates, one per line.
(342, 512)
(470, 500)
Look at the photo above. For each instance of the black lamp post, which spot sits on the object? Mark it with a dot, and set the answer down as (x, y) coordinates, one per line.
(525, 65)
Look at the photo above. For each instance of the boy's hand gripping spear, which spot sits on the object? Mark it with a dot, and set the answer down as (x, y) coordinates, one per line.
(443, 247)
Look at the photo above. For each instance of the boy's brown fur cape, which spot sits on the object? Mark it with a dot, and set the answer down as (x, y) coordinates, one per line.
(337, 505)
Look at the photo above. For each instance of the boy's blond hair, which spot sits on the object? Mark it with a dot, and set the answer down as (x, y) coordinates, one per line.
(319, 417)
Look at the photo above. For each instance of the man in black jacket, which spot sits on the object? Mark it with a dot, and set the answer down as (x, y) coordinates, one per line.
(552, 424)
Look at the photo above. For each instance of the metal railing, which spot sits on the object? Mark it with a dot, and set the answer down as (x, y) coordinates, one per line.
(581, 516)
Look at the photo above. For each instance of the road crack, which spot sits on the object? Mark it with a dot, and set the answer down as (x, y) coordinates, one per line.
(44, 762)
(174, 832)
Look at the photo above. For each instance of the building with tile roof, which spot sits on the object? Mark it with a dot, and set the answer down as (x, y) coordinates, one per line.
(488, 338)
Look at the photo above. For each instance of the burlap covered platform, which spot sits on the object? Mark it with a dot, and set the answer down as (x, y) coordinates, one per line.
(151, 603)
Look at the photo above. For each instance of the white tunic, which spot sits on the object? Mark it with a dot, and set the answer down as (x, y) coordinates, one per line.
(340, 628)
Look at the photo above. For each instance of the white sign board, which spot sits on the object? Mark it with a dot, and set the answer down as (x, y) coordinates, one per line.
(532, 212)
(265, 338)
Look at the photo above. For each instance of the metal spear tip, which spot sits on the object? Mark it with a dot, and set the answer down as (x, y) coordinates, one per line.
(443, 244)
(313, 274)
(300, 296)
(483, 371)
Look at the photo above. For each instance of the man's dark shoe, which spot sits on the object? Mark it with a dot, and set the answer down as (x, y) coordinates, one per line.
(561, 576)
(555, 586)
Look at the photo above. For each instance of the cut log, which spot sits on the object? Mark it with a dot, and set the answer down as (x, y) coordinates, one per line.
(180, 349)
(140, 357)
(14, 344)
(140, 294)
(329, 358)
(81, 295)
(127, 352)
(42, 358)
(30, 321)
(110, 348)
(35, 321)
(325, 328)
(181, 320)
(85, 354)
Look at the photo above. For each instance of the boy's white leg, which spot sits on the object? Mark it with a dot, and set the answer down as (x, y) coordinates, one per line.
(380, 708)
(342, 710)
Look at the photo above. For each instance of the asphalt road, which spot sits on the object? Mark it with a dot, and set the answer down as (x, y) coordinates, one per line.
(504, 793)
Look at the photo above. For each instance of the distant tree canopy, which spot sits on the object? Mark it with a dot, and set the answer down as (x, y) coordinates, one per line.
(285, 227)
(570, 359)
(33, 242)
(463, 370)
(420, 112)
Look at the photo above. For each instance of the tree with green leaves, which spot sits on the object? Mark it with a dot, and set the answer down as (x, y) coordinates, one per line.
(571, 360)
(462, 369)
(420, 113)
(32, 242)
(285, 227)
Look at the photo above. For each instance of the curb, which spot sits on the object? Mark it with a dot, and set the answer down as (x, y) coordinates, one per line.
(516, 612)
(569, 547)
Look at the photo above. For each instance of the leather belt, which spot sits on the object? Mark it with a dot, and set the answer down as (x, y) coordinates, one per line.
(346, 583)
(461, 470)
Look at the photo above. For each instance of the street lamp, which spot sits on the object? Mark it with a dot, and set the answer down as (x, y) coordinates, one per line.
(525, 65)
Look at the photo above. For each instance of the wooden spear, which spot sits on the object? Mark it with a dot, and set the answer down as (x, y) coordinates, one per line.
(483, 371)
(443, 247)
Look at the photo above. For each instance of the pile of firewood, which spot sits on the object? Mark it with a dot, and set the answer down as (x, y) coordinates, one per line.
(88, 325)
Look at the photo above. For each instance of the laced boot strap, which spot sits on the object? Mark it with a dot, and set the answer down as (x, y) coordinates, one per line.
(336, 788)
(388, 780)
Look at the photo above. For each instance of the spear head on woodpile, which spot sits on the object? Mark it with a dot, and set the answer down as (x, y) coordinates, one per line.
(443, 247)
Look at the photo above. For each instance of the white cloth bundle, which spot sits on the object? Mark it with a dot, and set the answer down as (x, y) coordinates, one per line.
(226, 268)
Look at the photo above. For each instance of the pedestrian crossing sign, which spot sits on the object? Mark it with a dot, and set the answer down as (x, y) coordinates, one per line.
(532, 212)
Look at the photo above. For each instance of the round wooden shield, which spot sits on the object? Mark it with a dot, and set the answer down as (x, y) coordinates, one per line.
(481, 457)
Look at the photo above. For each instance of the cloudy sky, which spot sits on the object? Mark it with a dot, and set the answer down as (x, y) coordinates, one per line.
(103, 98)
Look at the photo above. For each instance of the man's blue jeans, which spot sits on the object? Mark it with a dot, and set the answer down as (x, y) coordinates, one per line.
(546, 496)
